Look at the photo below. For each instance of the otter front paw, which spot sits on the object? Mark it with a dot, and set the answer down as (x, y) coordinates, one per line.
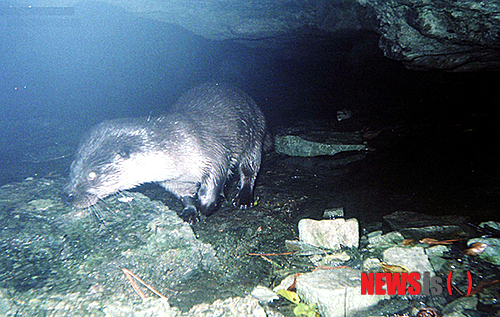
(243, 200)
(190, 215)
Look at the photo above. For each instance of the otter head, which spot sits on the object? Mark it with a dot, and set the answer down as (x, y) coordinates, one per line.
(103, 162)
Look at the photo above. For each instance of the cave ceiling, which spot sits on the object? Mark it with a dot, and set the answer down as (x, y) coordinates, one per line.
(446, 35)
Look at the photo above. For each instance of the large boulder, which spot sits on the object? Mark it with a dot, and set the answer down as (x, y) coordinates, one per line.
(447, 35)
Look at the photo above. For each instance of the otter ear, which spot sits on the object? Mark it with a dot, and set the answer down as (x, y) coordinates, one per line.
(125, 151)
(127, 146)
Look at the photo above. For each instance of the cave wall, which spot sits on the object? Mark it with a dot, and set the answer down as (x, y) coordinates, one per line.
(446, 35)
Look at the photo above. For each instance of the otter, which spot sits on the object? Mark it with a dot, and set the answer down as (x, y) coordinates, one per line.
(212, 132)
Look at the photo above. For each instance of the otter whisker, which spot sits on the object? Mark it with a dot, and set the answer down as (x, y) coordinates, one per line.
(94, 210)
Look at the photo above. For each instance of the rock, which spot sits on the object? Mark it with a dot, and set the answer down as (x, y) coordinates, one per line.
(316, 255)
(294, 145)
(47, 244)
(372, 265)
(330, 234)
(413, 258)
(418, 226)
(492, 252)
(490, 295)
(6, 303)
(344, 114)
(435, 256)
(295, 246)
(378, 241)
(491, 225)
(333, 213)
(331, 260)
(148, 308)
(443, 34)
(230, 307)
(456, 307)
(335, 292)
(302, 248)
(264, 294)
(423, 34)
(243, 20)
(285, 283)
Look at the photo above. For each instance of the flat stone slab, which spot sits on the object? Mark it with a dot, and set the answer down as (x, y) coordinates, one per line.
(330, 234)
(414, 259)
(337, 293)
(295, 145)
(417, 226)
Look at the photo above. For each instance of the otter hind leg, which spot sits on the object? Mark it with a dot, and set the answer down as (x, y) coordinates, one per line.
(248, 170)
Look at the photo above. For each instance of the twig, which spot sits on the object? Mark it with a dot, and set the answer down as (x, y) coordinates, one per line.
(272, 254)
(315, 268)
(136, 288)
(482, 285)
(456, 288)
(271, 261)
(130, 277)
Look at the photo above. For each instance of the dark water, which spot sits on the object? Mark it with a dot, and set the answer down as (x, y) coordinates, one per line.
(436, 151)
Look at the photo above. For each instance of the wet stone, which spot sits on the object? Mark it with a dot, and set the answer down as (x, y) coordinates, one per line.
(377, 240)
(306, 146)
(330, 234)
(333, 213)
(264, 294)
(492, 252)
(416, 226)
(372, 265)
(231, 307)
(490, 224)
(435, 255)
(335, 292)
(456, 307)
(149, 307)
(65, 261)
(414, 259)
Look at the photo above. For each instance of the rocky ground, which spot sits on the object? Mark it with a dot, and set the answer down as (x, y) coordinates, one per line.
(61, 262)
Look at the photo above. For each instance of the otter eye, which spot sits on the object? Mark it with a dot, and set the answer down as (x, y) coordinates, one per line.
(91, 176)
